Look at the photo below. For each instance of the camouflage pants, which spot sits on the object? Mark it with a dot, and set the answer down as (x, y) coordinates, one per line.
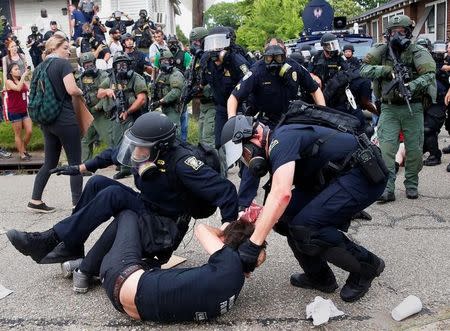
(100, 129)
(206, 124)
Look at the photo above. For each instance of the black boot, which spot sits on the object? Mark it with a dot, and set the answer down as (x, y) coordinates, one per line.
(432, 161)
(34, 244)
(358, 284)
(62, 254)
(325, 284)
(386, 197)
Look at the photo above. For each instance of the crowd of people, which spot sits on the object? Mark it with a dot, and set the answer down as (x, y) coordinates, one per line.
(322, 173)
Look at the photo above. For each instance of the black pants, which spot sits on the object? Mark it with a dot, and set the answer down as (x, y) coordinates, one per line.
(55, 138)
(433, 120)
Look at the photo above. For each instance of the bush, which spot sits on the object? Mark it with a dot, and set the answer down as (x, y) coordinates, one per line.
(7, 138)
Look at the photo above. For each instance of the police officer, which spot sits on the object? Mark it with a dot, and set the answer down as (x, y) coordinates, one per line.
(396, 115)
(35, 42)
(129, 91)
(203, 93)
(272, 82)
(348, 52)
(318, 210)
(336, 75)
(434, 113)
(98, 28)
(223, 68)
(149, 146)
(168, 87)
(140, 62)
(91, 42)
(142, 32)
(115, 21)
(89, 82)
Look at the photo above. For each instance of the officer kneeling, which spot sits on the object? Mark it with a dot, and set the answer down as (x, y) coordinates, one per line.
(330, 187)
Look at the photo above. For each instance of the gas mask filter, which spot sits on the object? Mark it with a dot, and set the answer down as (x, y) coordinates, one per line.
(399, 41)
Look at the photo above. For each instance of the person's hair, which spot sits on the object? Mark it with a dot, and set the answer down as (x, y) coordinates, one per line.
(237, 232)
(8, 72)
(8, 43)
(159, 32)
(86, 27)
(53, 43)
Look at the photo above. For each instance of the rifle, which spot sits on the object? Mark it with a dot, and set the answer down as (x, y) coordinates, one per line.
(155, 93)
(120, 104)
(400, 76)
(188, 91)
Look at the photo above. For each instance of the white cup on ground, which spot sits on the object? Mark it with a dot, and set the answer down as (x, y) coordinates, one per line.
(410, 306)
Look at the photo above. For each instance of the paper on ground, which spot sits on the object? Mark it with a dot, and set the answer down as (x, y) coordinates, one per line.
(4, 292)
(321, 310)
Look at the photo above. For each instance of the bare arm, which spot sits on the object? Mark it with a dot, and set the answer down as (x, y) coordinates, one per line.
(232, 105)
(277, 201)
(10, 85)
(4, 68)
(71, 86)
(209, 237)
(447, 98)
(318, 97)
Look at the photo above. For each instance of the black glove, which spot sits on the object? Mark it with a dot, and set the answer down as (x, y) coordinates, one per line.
(249, 252)
(69, 170)
(155, 104)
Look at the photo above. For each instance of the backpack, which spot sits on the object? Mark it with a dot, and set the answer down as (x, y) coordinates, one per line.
(44, 106)
(300, 112)
(196, 207)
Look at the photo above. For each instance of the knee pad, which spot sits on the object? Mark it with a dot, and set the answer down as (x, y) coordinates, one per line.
(305, 242)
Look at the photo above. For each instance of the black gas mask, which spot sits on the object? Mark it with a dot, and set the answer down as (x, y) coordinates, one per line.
(34, 29)
(90, 69)
(274, 58)
(173, 47)
(399, 41)
(195, 48)
(254, 158)
(166, 65)
(122, 70)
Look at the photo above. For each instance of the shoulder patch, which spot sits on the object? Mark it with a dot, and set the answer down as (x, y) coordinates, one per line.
(294, 75)
(194, 163)
(243, 68)
(247, 75)
(272, 145)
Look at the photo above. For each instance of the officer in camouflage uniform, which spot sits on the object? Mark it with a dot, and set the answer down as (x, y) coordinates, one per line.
(395, 113)
(204, 93)
(89, 81)
(127, 93)
(168, 87)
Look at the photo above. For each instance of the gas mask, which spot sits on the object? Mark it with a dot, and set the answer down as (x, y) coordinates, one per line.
(173, 47)
(90, 69)
(166, 65)
(399, 41)
(221, 56)
(145, 167)
(122, 71)
(254, 158)
(34, 29)
(274, 58)
(195, 49)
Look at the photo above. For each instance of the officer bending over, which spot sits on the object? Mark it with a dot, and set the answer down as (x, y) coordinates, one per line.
(171, 183)
(328, 191)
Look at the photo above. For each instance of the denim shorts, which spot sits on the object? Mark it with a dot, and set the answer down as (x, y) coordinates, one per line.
(17, 117)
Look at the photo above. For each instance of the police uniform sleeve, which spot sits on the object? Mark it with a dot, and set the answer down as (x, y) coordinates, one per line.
(426, 68)
(102, 160)
(372, 67)
(245, 86)
(176, 82)
(283, 149)
(208, 185)
(240, 65)
(139, 85)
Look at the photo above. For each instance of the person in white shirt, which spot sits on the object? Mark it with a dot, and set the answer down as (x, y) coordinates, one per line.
(158, 45)
(43, 21)
(114, 44)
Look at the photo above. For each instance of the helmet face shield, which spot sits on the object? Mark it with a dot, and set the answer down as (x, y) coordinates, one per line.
(439, 48)
(331, 46)
(216, 42)
(233, 152)
(133, 151)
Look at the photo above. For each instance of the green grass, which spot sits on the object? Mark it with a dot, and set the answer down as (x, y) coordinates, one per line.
(7, 138)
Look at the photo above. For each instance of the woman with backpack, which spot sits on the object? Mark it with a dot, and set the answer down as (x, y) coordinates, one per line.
(63, 129)
(15, 107)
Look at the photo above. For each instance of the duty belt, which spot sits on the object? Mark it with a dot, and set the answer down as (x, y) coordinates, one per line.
(123, 276)
(400, 102)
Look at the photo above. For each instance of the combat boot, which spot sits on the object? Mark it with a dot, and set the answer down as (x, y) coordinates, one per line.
(386, 197)
(61, 254)
(34, 244)
(432, 161)
(323, 283)
(358, 284)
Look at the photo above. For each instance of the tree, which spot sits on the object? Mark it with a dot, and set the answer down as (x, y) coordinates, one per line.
(223, 13)
(278, 18)
(369, 4)
(181, 36)
(348, 8)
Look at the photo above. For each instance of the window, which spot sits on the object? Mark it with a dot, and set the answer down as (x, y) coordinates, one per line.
(436, 21)
(386, 18)
(374, 30)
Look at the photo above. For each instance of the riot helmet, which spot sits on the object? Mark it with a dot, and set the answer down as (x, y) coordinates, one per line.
(196, 38)
(297, 57)
(236, 140)
(330, 43)
(218, 39)
(425, 42)
(34, 29)
(166, 61)
(399, 32)
(126, 37)
(439, 50)
(348, 47)
(87, 62)
(173, 44)
(151, 135)
(274, 58)
(122, 65)
(143, 14)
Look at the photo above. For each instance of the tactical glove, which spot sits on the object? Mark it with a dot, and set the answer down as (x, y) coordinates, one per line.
(68, 170)
(387, 72)
(155, 105)
(249, 252)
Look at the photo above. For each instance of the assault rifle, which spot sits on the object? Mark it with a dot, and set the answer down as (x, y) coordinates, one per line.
(189, 91)
(401, 76)
(120, 104)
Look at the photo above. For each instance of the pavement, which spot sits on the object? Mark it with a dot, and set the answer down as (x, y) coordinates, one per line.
(412, 236)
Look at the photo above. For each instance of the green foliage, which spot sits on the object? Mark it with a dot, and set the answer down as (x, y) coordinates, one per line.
(7, 138)
(349, 8)
(225, 14)
(268, 18)
(181, 36)
(369, 4)
(192, 131)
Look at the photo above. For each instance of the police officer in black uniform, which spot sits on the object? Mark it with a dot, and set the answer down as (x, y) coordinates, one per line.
(315, 213)
(142, 31)
(98, 28)
(89, 41)
(223, 68)
(181, 58)
(272, 83)
(140, 62)
(35, 42)
(166, 183)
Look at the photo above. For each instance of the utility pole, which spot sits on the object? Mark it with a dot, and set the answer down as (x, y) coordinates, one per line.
(197, 20)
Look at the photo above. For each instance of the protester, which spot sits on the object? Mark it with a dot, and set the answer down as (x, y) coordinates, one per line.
(43, 21)
(64, 132)
(13, 56)
(15, 103)
(158, 45)
(115, 44)
(77, 19)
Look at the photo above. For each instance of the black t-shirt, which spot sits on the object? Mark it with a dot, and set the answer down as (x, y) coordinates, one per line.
(57, 70)
(188, 294)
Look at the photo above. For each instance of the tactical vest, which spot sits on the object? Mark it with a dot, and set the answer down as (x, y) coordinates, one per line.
(89, 85)
(325, 68)
(179, 61)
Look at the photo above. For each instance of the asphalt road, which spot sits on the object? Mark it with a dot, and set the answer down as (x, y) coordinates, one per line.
(412, 236)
